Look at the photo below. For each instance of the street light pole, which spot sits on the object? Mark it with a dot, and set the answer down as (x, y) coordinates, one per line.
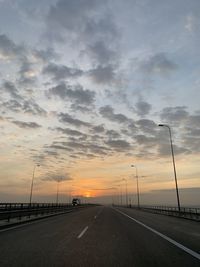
(31, 193)
(126, 191)
(173, 160)
(138, 194)
(120, 194)
(57, 192)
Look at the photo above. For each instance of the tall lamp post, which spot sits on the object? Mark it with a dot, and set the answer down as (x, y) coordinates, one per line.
(31, 193)
(138, 194)
(173, 160)
(57, 192)
(126, 191)
(120, 194)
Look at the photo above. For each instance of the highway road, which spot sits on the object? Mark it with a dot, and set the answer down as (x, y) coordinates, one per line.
(103, 236)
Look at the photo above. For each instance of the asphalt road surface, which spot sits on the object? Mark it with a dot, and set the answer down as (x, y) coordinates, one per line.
(103, 236)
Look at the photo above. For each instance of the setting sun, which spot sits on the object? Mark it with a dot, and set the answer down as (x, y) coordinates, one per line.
(87, 194)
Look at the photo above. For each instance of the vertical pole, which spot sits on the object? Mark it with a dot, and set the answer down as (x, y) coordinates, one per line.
(121, 194)
(138, 196)
(174, 166)
(57, 192)
(126, 195)
(31, 193)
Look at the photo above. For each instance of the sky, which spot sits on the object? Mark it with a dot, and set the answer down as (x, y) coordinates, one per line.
(83, 87)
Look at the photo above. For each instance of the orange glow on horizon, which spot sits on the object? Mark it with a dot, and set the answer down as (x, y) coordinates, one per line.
(87, 195)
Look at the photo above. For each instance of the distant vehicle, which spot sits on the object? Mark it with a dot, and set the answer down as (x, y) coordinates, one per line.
(76, 202)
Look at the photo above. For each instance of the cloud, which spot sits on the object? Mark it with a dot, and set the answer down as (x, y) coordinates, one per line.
(193, 121)
(98, 129)
(189, 128)
(30, 106)
(158, 64)
(146, 141)
(59, 90)
(52, 153)
(98, 149)
(101, 53)
(103, 74)
(10, 88)
(89, 21)
(70, 15)
(174, 114)
(71, 132)
(165, 150)
(12, 105)
(60, 72)
(143, 108)
(147, 126)
(45, 55)
(101, 28)
(191, 143)
(81, 147)
(192, 132)
(59, 147)
(26, 106)
(118, 145)
(27, 73)
(82, 108)
(58, 177)
(111, 134)
(27, 125)
(108, 113)
(8, 49)
(90, 26)
(66, 118)
(76, 94)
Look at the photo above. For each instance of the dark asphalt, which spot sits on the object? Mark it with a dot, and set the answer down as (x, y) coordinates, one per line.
(101, 236)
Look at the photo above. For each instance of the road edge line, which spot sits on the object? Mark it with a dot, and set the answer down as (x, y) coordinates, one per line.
(188, 250)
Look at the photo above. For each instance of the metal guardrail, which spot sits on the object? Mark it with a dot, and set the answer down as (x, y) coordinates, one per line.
(10, 211)
(185, 212)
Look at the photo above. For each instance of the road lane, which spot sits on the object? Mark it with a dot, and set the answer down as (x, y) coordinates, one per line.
(175, 243)
(46, 242)
(184, 231)
(111, 239)
(115, 240)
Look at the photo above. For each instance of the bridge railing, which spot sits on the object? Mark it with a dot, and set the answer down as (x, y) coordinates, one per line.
(185, 212)
(18, 211)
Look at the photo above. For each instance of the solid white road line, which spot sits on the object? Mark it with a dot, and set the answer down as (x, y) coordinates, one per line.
(189, 251)
(83, 232)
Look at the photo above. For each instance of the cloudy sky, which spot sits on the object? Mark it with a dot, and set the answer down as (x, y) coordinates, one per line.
(83, 86)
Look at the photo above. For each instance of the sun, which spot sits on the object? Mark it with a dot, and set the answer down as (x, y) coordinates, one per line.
(87, 194)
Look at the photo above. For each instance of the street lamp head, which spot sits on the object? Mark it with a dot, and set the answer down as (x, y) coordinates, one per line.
(165, 125)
